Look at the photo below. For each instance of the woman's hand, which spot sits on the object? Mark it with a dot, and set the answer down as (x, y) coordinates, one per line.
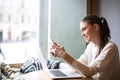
(57, 50)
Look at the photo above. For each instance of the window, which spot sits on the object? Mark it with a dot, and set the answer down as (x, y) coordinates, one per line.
(19, 14)
(60, 21)
(19, 24)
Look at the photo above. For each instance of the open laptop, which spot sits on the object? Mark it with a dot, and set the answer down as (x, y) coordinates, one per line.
(57, 73)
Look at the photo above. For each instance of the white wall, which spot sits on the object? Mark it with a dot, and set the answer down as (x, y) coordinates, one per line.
(110, 9)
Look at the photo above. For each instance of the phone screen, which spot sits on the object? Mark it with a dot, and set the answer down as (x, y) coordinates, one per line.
(51, 42)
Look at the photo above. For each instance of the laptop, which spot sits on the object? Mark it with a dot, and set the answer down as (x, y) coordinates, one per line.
(57, 73)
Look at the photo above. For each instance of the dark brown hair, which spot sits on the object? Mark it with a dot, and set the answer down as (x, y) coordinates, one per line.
(104, 28)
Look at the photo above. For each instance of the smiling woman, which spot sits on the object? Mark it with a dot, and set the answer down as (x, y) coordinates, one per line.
(100, 60)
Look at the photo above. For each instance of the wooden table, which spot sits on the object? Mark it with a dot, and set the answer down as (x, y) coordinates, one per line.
(40, 75)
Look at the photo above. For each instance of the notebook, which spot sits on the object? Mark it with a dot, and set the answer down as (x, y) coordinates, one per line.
(57, 73)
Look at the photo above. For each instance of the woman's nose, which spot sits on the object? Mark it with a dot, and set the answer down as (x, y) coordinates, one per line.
(82, 34)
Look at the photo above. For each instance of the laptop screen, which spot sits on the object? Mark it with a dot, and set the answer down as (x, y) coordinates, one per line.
(42, 59)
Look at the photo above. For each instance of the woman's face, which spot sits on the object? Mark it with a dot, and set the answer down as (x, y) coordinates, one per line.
(88, 31)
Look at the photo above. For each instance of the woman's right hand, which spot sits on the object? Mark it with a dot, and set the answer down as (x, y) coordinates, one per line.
(57, 50)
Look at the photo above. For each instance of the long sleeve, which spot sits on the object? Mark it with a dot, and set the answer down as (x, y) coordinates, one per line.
(85, 57)
(99, 65)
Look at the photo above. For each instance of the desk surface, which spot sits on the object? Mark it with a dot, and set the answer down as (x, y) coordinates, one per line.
(40, 75)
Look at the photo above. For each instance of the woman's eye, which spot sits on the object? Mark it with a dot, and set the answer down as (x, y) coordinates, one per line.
(84, 29)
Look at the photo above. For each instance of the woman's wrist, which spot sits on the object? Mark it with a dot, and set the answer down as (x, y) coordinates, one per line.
(63, 54)
(68, 58)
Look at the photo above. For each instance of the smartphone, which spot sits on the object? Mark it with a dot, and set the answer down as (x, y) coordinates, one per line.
(51, 42)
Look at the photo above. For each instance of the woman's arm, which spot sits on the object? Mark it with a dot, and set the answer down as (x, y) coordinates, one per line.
(77, 65)
(59, 51)
(100, 64)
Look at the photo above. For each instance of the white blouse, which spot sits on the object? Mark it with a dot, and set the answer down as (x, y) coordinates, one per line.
(105, 66)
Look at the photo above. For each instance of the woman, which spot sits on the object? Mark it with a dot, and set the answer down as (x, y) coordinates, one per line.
(100, 60)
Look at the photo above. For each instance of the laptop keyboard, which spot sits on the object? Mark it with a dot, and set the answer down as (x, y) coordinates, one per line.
(57, 73)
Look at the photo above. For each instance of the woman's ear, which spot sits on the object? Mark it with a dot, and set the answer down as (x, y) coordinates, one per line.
(96, 27)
